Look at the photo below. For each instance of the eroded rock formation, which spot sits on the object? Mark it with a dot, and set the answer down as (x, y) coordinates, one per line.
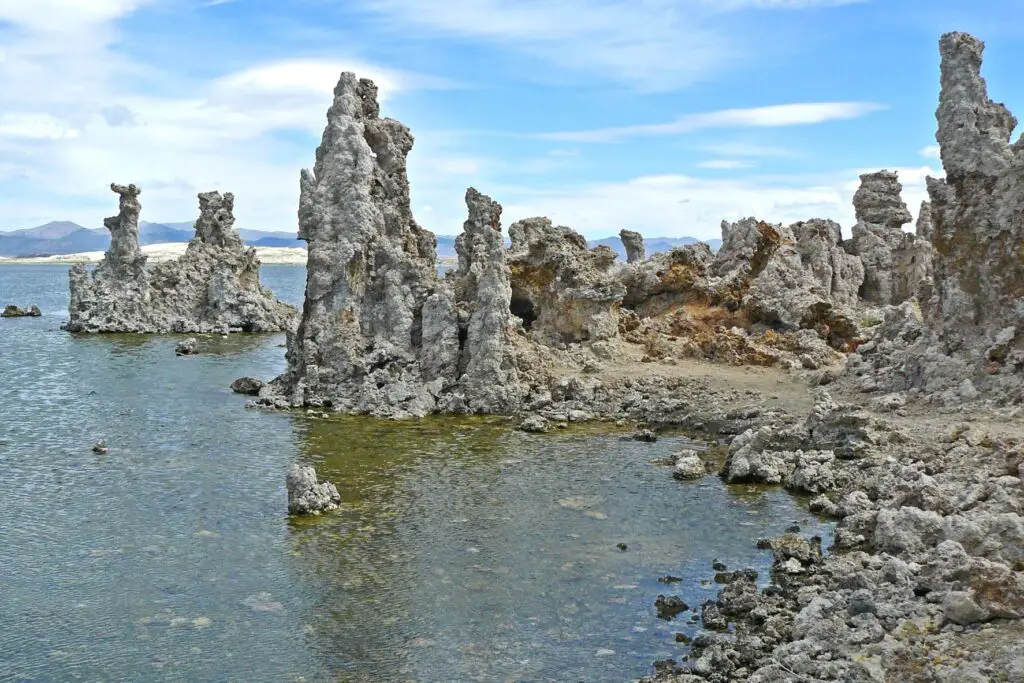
(633, 243)
(966, 341)
(563, 291)
(381, 333)
(976, 209)
(896, 263)
(213, 287)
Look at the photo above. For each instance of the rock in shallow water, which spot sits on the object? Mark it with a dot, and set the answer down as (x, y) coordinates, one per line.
(249, 386)
(213, 287)
(12, 311)
(689, 466)
(306, 496)
(187, 347)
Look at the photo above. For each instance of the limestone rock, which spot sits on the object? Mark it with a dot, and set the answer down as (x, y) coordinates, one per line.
(563, 291)
(633, 243)
(213, 287)
(689, 466)
(307, 496)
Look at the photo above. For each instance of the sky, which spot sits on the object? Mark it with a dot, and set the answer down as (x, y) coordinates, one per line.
(663, 116)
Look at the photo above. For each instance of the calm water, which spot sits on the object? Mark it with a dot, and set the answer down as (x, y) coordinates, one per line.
(464, 551)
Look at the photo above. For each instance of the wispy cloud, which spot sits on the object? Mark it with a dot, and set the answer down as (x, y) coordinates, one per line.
(653, 45)
(725, 164)
(745, 149)
(754, 117)
(930, 152)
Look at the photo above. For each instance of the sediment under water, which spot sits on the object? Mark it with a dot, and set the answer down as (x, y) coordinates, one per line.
(464, 550)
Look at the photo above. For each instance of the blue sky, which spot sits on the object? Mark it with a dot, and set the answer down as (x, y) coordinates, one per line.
(663, 116)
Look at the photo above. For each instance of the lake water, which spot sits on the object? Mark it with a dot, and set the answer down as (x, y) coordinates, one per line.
(464, 550)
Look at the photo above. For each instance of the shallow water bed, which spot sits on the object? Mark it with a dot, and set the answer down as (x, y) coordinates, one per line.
(464, 550)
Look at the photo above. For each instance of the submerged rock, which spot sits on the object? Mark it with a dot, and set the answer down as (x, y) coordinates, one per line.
(213, 287)
(187, 347)
(249, 386)
(12, 311)
(306, 496)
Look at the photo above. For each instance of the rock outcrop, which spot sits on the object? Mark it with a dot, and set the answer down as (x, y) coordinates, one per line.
(563, 291)
(976, 210)
(896, 263)
(213, 287)
(633, 243)
(381, 333)
(967, 339)
(488, 378)
(307, 496)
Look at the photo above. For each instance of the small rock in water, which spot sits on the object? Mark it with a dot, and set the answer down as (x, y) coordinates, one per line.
(668, 578)
(622, 546)
(718, 566)
(306, 496)
(683, 638)
(249, 386)
(12, 311)
(534, 424)
(604, 652)
(670, 606)
(645, 435)
(202, 622)
(689, 466)
(187, 347)
(100, 447)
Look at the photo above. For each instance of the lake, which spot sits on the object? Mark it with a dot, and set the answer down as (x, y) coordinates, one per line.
(464, 550)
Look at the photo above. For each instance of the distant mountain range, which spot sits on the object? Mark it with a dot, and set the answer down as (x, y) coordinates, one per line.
(65, 237)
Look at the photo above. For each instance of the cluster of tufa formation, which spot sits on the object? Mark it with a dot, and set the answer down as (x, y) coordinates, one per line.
(966, 338)
(213, 287)
(381, 332)
(12, 311)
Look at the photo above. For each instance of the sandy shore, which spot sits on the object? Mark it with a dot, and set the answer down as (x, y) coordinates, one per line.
(168, 251)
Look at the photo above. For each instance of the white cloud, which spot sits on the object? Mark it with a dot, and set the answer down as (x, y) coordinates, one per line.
(930, 152)
(652, 45)
(754, 117)
(679, 205)
(745, 149)
(58, 16)
(725, 164)
(34, 127)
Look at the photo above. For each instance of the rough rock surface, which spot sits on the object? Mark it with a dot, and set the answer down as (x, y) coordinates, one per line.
(975, 210)
(247, 385)
(929, 583)
(894, 266)
(633, 243)
(307, 496)
(967, 340)
(12, 311)
(213, 287)
(488, 378)
(563, 291)
(381, 333)
(370, 270)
